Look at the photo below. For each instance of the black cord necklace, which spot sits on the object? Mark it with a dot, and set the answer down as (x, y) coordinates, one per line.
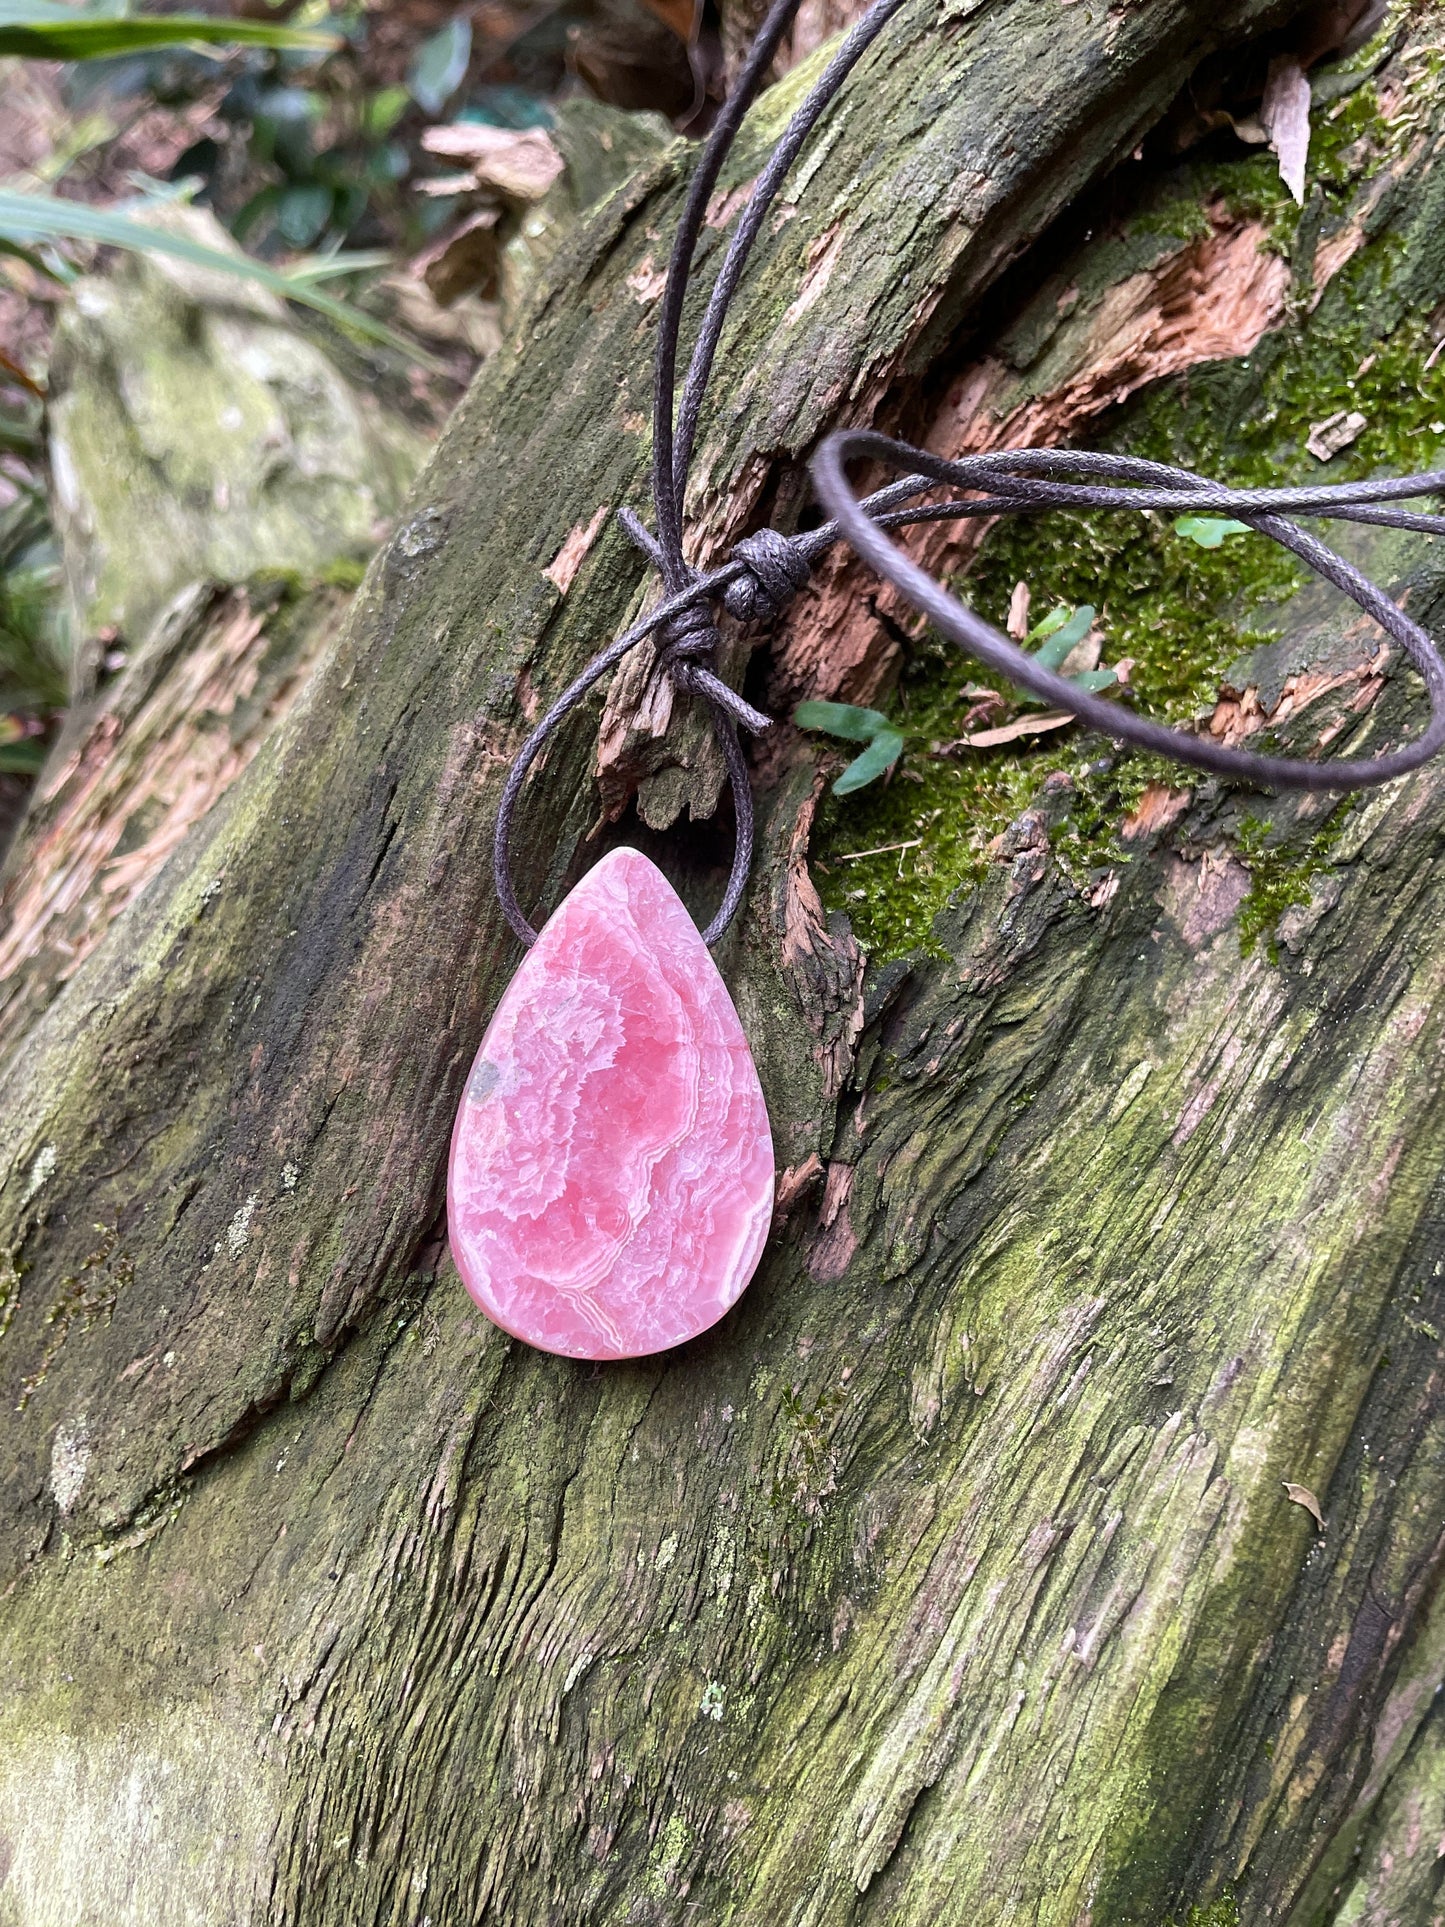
(611, 1176)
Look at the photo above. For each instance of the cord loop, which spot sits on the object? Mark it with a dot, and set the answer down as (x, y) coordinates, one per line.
(767, 570)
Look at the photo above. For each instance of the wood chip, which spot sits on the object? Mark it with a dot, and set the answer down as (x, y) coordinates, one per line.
(1158, 807)
(1285, 116)
(1335, 432)
(1301, 1495)
(1018, 612)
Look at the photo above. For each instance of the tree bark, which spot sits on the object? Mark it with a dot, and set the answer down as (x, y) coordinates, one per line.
(952, 1577)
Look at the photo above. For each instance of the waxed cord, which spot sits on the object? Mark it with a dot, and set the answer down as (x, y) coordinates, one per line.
(766, 570)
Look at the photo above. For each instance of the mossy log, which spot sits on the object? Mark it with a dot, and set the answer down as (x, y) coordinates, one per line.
(968, 1571)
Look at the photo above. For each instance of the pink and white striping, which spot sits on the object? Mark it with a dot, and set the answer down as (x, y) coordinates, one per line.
(611, 1176)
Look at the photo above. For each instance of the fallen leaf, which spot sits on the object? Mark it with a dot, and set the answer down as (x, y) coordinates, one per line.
(1285, 116)
(463, 261)
(1337, 431)
(1010, 732)
(1301, 1495)
(1084, 655)
(1208, 531)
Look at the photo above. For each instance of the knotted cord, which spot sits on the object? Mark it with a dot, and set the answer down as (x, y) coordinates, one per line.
(767, 569)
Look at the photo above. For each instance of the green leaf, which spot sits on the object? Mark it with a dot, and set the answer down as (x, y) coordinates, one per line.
(1093, 680)
(302, 212)
(43, 217)
(55, 269)
(36, 30)
(312, 268)
(384, 109)
(1208, 530)
(440, 65)
(23, 758)
(854, 725)
(1068, 635)
(1055, 619)
(879, 757)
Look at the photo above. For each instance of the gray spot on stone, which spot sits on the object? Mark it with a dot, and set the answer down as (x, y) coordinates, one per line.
(483, 1081)
(422, 535)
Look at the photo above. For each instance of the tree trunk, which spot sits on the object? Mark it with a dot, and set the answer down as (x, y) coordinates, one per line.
(955, 1576)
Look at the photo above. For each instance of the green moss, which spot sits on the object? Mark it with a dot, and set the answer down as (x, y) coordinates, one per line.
(346, 572)
(1278, 879)
(85, 1297)
(807, 1471)
(1181, 614)
(1220, 1913)
(287, 586)
(10, 1281)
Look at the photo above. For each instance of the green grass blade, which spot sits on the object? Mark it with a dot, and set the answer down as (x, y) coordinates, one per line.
(329, 267)
(879, 757)
(854, 725)
(42, 217)
(35, 31)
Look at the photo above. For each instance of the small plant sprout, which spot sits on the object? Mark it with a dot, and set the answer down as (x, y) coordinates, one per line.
(1208, 531)
(854, 725)
(1054, 641)
(1056, 638)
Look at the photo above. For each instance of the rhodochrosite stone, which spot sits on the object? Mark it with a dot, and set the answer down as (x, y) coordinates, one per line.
(611, 1175)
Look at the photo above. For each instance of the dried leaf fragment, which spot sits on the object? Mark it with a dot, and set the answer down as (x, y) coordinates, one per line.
(518, 165)
(1301, 1495)
(1010, 732)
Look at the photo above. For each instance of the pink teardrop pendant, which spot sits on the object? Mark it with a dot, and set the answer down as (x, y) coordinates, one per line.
(611, 1176)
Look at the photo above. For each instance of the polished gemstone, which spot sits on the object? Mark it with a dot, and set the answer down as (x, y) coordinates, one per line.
(611, 1177)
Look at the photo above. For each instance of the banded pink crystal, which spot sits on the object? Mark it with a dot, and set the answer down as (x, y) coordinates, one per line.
(611, 1177)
